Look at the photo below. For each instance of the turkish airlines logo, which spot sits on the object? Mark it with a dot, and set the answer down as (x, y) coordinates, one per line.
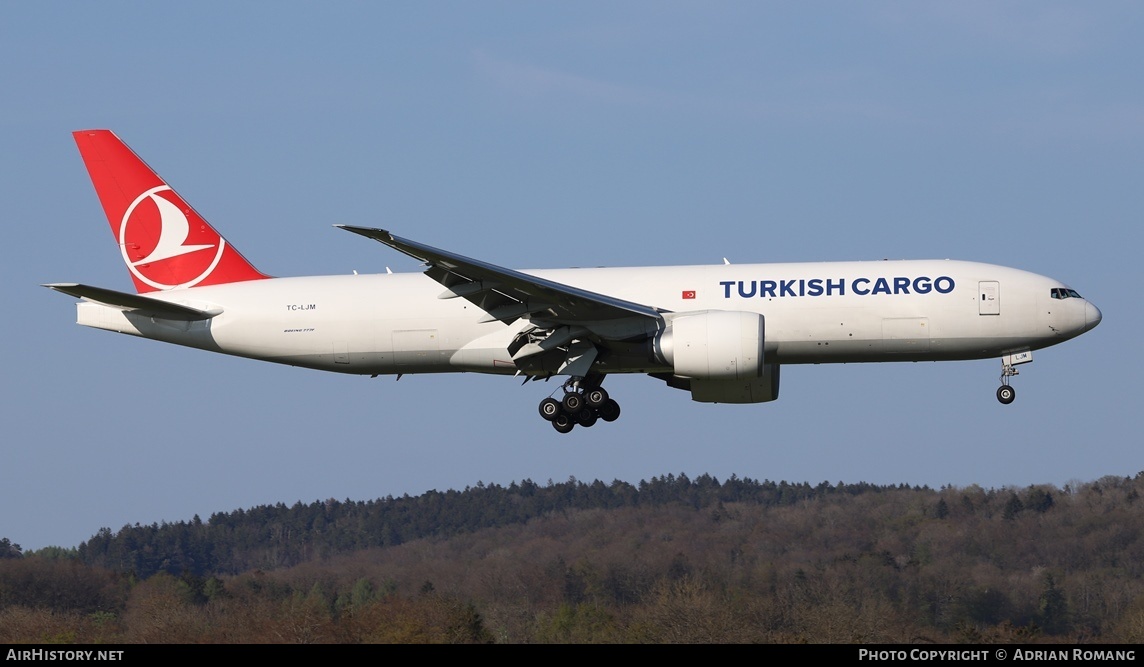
(159, 246)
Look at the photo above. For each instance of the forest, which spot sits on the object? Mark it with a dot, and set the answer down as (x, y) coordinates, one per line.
(673, 559)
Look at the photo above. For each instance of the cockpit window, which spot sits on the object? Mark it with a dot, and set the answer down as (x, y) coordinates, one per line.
(1063, 293)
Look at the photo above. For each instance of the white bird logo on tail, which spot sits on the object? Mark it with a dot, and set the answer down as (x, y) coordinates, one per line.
(173, 232)
(173, 235)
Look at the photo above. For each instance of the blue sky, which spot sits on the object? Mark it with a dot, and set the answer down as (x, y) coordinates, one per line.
(551, 135)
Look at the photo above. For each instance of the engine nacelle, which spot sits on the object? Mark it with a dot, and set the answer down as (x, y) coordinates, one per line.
(754, 390)
(717, 355)
(713, 345)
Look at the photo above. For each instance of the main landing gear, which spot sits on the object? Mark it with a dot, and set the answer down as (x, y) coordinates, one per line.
(580, 405)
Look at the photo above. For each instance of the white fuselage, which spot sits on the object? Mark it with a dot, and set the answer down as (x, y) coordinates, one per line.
(814, 313)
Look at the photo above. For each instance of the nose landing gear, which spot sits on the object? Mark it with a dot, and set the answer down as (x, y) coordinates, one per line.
(1006, 393)
(583, 405)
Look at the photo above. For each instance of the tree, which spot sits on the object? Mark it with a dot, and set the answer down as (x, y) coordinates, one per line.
(1053, 608)
(1039, 500)
(1012, 508)
(10, 550)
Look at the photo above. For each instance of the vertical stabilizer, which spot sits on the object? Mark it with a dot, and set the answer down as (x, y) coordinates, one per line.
(164, 242)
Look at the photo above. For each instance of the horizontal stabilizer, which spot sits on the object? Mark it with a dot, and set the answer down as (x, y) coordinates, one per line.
(142, 305)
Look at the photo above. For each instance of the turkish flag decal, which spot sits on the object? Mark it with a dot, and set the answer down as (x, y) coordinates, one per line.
(688, 294)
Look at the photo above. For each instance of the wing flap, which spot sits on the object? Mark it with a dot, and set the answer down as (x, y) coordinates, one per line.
(466, 289)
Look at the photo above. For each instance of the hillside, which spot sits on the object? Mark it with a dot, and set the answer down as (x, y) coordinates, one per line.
(672, 559)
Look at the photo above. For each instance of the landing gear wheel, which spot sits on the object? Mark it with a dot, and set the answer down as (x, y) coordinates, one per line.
(563, 423)
(595, 397)
(1006, 394)
(587, 417)
(573, 403)
(550, 408)
(610, 410)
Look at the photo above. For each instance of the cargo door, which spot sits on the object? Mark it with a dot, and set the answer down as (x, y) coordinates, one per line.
(905, 335)
(416, 347)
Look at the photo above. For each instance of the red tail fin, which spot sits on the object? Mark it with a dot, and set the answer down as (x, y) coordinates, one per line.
(164, 242)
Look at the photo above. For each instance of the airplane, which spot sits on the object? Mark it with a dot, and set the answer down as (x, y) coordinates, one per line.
(721, 331)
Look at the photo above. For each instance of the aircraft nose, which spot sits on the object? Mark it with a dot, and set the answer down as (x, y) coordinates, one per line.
(1092, 316)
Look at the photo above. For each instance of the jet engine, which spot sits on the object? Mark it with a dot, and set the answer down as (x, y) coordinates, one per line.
(718, 356)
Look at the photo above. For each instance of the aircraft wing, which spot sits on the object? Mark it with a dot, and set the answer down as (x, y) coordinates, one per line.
(506, 294)
(135, 303)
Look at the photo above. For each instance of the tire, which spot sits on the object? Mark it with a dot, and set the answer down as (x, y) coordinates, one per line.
(1006, 394)
(550, 409)
(563, 423)
(573, 402)
(587, 417)
(596, 397)
(610, 410)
